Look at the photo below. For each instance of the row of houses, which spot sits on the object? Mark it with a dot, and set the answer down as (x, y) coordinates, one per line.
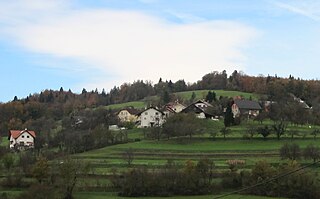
(154, 116)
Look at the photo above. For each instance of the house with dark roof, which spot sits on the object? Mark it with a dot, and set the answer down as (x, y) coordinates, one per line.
(21, 139)
(242, 107)
(128, 114)
(150, 117)
(201, 108)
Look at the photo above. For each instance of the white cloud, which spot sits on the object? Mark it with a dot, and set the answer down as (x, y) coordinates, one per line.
(307, 8)
(132, 45)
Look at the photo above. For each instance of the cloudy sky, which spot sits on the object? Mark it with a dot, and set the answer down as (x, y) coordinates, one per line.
(48, 44)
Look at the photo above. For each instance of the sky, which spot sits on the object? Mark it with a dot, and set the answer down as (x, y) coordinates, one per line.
(75, 44)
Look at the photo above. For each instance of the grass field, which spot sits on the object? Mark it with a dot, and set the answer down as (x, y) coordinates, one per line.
(135, 104)
(88, 195)
(108, 195)
(200, 94)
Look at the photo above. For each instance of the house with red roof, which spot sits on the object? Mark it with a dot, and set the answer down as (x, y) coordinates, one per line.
(22, 139)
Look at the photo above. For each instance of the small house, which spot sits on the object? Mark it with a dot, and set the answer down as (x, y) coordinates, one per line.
(21, 139)
(173, 108)
(245, 107)
(128, 115)
(200, 108)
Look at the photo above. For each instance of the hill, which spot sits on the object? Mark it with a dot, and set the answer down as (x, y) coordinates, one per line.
(185, 96)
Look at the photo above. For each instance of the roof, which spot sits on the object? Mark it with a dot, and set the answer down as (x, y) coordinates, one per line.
(247, 104)
(171, 106)
(132, 111)
(202, 101)
(16, 133)
(151, 108)
(196, 109)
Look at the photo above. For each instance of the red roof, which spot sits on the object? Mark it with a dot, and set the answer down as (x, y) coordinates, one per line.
(16, 133)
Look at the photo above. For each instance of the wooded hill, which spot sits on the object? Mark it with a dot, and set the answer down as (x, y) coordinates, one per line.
(50, 106)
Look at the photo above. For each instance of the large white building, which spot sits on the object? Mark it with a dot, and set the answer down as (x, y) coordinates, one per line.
(151, 117)
(21, 139)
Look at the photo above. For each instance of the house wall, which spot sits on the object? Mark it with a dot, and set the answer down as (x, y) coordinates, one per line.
(178, 108)
(151, 117)
(201, 116)
(125, 116)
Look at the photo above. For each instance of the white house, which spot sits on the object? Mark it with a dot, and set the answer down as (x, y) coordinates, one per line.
(21, 139)
(151, 117)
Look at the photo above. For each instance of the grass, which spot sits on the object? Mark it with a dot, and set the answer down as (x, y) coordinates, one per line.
(135, 104)
(4, 141)
(186, 95)
(203, 145)
(155, 154)
(103, 195)
(201, 94)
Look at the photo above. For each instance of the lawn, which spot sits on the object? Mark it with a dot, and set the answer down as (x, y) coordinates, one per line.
(186, 95)
(102, 195)
(201, 94)
(205, 145)
(135, 104)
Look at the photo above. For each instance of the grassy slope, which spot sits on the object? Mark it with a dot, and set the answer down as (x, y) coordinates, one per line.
(108, 195)
(200, 94)
(135, 104)
(154, 154)
(86, 195)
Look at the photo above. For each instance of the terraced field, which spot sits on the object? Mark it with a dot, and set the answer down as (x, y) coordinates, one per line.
(155, 154)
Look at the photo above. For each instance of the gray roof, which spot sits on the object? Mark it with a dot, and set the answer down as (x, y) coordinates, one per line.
(247, 104)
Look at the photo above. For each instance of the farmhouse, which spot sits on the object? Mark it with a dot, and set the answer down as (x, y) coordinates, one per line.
(21, 139)
(245, 107)
(128, 115)
(172, 108)
(150, 117)
(200, 108)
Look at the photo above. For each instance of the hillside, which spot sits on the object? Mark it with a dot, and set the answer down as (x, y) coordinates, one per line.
(186, 95)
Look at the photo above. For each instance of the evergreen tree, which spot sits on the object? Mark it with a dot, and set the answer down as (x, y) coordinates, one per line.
(228, 118)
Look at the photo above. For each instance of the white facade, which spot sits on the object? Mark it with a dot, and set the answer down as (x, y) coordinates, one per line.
(22, 139)
(178, 107)
(151, 117)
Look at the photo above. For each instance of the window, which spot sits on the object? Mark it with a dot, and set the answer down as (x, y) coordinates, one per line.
(157, 113)
(146, 113)
(23, 136)
(28, 136)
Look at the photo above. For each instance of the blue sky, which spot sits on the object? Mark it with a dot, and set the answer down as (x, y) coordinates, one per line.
(77, 44)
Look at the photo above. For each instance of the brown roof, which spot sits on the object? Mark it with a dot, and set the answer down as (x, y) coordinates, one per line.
(132, 111)
(16, 133)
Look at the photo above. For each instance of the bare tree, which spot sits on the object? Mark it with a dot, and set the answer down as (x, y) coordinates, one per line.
(128, 156)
